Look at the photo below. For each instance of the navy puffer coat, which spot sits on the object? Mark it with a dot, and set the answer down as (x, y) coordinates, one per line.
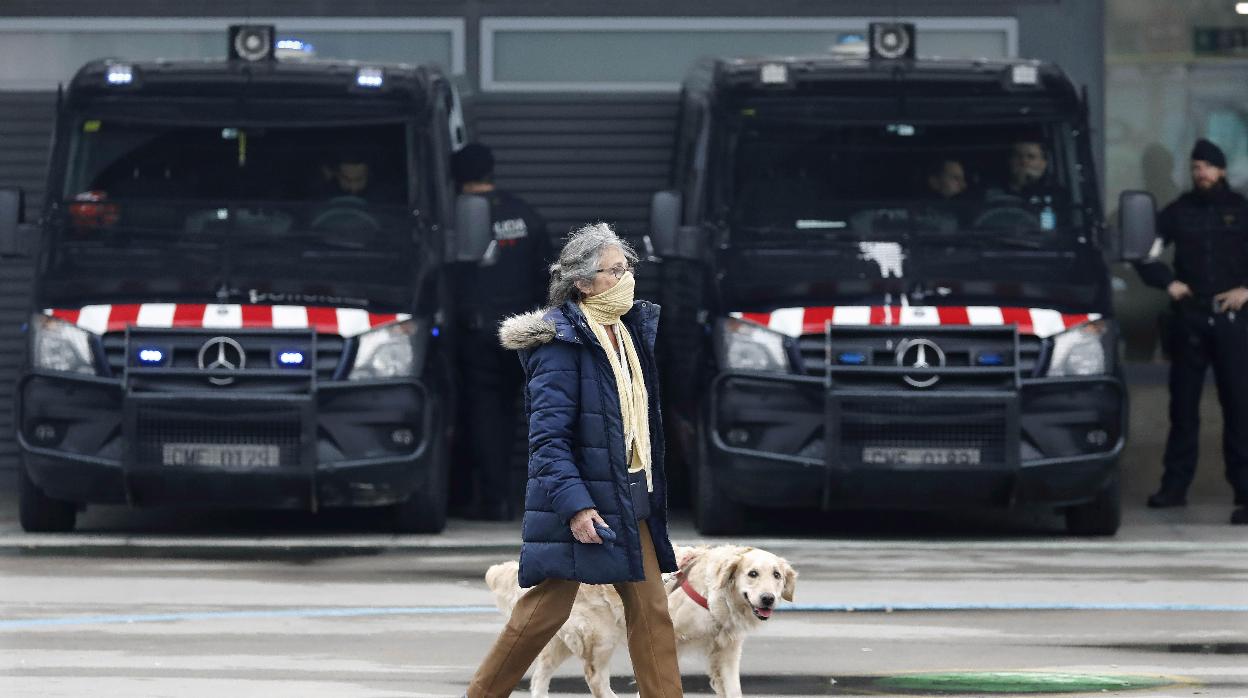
(576, 448)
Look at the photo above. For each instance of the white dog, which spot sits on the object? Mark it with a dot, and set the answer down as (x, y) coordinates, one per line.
(719, 595)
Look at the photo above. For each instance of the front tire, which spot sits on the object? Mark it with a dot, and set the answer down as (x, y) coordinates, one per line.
(1100, 517)
(713, 512)
(425, 510)
(39, 513)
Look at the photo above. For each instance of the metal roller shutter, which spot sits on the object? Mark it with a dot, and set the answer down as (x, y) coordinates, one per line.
(583, 158)
(25, 134)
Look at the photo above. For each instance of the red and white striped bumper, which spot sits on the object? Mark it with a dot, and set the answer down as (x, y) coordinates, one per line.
(344, 322)
(1040, 322)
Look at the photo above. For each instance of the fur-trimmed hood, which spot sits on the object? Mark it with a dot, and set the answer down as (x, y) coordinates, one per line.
(528, 331)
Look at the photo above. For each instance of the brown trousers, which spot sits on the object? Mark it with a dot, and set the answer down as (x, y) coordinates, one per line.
(541, 611)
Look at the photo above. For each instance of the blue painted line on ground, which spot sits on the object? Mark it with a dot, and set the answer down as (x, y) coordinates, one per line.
(29, 623)
(886, 608)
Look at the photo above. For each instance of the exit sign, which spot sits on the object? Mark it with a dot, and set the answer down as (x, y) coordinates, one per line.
(1220, 41)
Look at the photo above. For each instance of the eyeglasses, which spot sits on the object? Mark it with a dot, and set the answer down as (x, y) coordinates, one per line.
(618, 271)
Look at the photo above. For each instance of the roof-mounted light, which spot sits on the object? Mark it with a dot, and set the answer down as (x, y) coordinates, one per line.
(295, 49)
(773, 74)
(1025, 74)
(120, 74)
(370, 77)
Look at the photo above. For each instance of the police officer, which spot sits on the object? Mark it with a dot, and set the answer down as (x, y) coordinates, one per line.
(1208, 285)
(509, 281)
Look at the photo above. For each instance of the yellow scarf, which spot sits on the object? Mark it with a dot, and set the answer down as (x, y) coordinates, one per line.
(604, 309)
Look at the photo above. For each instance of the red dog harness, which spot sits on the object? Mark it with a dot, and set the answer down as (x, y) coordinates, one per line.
(693, 593)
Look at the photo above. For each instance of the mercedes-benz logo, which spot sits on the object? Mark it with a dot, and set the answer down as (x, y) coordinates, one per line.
(222, 352)
(920, 354)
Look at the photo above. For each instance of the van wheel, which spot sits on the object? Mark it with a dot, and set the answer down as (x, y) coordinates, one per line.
(425, 510)
(1099, 517)
(38, 512)
(713, 513)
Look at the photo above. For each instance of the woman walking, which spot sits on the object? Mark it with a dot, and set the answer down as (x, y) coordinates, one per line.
(596, 501)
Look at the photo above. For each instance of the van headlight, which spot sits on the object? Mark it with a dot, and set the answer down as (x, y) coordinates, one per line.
(747, 346)
(389, 351)
(56, 345)
(1080, 351)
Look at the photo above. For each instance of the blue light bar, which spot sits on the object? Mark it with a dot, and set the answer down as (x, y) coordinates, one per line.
(852, 358)
(990, 358)
(295, 45)
(436, 332)
(151, 356)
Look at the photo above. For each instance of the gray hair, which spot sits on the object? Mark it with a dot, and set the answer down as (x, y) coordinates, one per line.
(578, 260)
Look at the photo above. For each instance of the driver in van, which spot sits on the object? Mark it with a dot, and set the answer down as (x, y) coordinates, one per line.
(1028, 166)
(1029, 200)
(351, 177)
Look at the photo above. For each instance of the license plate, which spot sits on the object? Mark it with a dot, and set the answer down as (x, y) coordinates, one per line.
(920, 456)
(239, 457)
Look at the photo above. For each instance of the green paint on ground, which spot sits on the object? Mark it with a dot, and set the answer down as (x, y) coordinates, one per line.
(1016, 682)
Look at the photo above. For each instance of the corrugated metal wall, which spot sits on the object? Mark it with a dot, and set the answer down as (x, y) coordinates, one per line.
(25, 133)
(581, 158)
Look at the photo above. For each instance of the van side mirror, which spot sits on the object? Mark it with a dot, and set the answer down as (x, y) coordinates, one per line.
(665, 210)
(1137, 224)
(15, 236)
(473, 232)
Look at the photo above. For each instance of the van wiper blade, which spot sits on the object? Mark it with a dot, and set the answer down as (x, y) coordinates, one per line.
(984, 240)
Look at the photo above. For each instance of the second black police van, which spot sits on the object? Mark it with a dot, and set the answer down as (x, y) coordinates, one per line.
(888, 288)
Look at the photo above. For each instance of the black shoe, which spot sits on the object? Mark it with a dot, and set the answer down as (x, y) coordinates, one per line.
(1165, 499)
(1239, 516)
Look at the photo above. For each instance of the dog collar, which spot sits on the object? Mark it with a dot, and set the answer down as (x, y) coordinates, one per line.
(693, 593)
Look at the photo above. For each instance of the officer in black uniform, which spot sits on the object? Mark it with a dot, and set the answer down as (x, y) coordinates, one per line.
(510, 280)
(1208, 285)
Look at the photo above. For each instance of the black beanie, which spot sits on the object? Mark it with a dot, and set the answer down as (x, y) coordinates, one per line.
(1210, 153)
(473, 163)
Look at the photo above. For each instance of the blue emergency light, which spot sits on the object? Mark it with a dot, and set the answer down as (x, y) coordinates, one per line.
(851, 358)
(291, 358)
(990, 358)
(151, 356)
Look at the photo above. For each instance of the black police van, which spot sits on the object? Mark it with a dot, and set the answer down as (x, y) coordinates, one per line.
(888, 288)
(241, 288)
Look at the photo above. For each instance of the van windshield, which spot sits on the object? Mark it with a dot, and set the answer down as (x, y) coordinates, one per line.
(170, 209)
(122, 160)
(795, 178)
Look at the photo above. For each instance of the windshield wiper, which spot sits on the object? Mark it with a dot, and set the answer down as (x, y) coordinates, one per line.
(983, 240)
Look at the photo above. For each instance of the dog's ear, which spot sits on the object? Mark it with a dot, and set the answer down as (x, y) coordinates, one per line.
(790, 582)
(728, 572)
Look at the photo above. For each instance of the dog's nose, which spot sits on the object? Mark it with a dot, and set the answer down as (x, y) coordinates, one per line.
(768, 599)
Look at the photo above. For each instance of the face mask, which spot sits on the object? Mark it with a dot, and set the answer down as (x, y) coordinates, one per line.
(607, 307)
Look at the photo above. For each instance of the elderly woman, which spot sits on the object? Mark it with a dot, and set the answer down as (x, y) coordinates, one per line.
(596, 502)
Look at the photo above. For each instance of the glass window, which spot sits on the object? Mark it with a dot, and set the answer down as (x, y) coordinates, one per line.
(121, 160)
(796, 177)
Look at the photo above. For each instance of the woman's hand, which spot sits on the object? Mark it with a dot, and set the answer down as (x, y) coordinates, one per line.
(582, 525)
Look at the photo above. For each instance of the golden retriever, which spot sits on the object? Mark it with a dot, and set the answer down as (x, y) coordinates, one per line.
(740, 585)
